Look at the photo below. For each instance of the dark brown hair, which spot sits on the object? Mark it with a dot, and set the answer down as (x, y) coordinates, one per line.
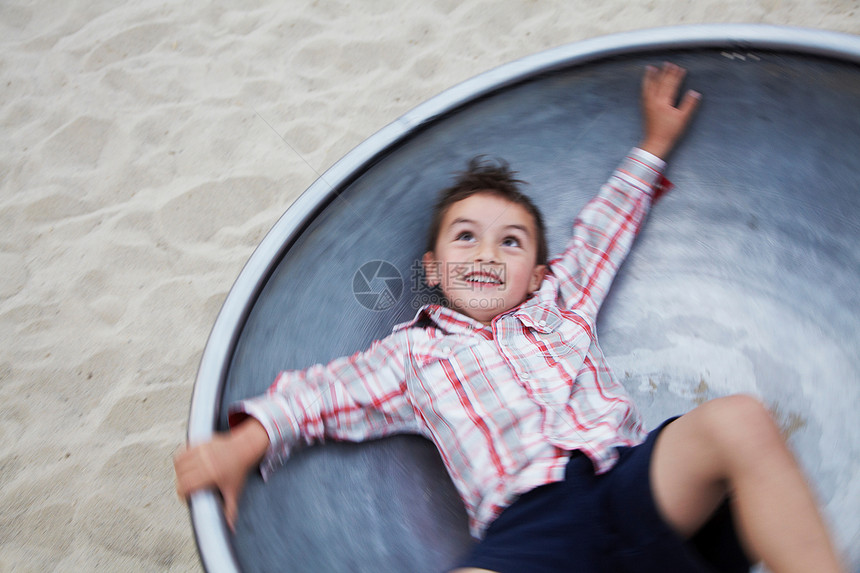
(492, 176)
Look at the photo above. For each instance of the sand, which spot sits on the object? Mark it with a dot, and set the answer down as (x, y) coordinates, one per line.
(147, 149)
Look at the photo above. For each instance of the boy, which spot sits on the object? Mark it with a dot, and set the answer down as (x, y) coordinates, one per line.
(507, 379)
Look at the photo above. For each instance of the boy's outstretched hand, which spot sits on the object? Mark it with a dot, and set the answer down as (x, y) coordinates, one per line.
(223, 464)
(663, 122)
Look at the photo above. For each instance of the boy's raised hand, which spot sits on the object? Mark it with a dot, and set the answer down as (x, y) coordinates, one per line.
(664, 123)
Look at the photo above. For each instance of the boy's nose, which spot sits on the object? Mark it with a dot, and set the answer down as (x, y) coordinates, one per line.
(487, 253)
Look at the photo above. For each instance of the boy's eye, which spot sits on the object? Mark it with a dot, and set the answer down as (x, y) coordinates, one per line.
(465, 236)
(511, 242)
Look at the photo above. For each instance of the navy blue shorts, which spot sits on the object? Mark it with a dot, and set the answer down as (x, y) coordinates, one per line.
(603, 523)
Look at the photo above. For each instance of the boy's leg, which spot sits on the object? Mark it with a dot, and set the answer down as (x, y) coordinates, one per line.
(731, 447)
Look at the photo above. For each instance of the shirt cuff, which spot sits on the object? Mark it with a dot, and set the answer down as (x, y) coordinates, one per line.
(648, 158)
(650, 169)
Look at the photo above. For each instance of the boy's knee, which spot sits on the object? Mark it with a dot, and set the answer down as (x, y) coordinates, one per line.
(741, 421)
(741, 407)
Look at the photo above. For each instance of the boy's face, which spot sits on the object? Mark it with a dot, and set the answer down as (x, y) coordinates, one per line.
(485, 256)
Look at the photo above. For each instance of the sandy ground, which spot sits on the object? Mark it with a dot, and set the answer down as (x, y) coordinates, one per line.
(143, 160)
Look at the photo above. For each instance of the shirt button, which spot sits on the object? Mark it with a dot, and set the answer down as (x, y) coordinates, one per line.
(541, 323)
(446, 349)
(524, 375)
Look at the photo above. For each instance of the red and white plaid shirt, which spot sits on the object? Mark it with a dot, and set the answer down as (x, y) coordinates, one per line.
(504, 403)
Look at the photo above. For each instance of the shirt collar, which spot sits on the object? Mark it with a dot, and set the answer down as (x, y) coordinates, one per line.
(448, 320)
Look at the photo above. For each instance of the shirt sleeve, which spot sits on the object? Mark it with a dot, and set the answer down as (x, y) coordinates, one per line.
(354, 398)
(604, 231)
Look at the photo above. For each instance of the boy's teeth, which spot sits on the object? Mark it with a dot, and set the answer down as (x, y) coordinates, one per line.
(482, 279)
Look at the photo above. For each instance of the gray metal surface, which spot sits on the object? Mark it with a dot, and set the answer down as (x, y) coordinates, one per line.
(744, 279)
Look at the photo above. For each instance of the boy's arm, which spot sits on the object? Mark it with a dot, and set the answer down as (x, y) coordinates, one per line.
(353, 398)
(606, 227)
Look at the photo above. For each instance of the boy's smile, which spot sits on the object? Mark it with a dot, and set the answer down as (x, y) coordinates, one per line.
(484, 277)
(485, 256)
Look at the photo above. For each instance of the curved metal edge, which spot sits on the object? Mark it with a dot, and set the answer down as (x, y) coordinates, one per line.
(213, 539)
(211, 534)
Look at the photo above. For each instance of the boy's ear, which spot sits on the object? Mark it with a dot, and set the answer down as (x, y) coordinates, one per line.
(538, 273)
(431, 269)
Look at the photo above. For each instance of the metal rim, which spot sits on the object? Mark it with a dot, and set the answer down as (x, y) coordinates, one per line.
(210, 528)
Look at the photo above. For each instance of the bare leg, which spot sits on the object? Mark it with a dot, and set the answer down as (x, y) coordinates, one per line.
(731, 446)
